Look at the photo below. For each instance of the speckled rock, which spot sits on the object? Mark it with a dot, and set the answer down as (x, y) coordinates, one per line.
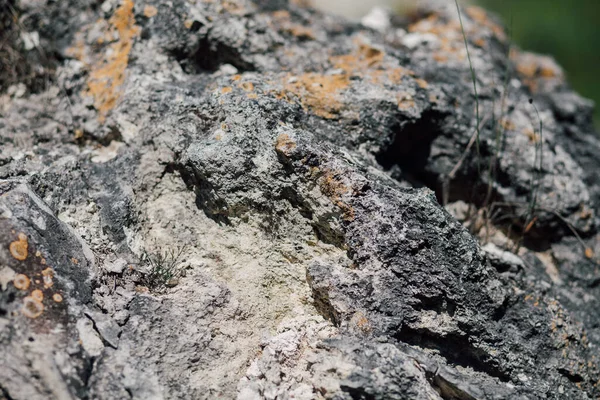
(258, 200)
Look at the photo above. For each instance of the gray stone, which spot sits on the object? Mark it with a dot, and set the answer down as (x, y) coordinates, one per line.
(295, 165)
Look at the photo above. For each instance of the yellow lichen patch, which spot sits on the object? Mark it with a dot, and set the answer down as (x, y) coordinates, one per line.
(32, 308)
(252, 96)
(48, 274)
(21, 282)
(57, 298)
(284, 144)
(37, 295)
(18, 248)
(150, 11)
(108, 75)
(226, 89)
(188, 23)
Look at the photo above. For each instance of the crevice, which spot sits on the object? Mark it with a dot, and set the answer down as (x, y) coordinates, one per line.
(206, 199)
(4, 393)
(358, 393)
(454, 348)
(411, 148)
(209, 56)
(446, 389)
(439, 304)
(317, 283)
(575, 378)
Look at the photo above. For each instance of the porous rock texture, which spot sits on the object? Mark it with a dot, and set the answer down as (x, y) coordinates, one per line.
(336, 227)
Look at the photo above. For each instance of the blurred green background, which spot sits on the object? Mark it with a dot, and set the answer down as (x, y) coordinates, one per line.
(566, 29)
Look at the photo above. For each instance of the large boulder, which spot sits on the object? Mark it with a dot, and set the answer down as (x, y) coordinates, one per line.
(257, 200)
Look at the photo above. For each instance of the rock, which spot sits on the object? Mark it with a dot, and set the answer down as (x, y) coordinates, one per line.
(298, 166)
(116, 266)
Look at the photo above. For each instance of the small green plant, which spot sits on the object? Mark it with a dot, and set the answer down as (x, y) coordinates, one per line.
(163, 267)
(489, 208)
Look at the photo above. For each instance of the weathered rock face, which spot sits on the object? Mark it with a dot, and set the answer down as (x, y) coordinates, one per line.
(236, 199)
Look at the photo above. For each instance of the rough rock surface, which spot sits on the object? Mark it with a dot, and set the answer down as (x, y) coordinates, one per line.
(204, 199)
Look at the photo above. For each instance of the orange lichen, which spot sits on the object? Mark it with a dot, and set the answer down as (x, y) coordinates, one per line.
(37, 295)
(533, 67)
(479, 15)
(150, 11)
(226, 89)
(233, 7)
(57, 298)
(284, 144)
(21, 282)
(319, 93)
(527, 70)
(74, 260)
(361, 322)
(247, 86)
(360, 60)
(18, 248)
(589, 253)
(507, 124)
(282, 18)
(108, 75)
(188, 23)
(300, 31)
(440, 57)
(533, 136)
(281, 14)
(585, 212)
(332, 185)
(480, 42)
(32, 308)
(422, 83)
(48, 274)
(252, 96)
(142, 289)
(405, 101)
